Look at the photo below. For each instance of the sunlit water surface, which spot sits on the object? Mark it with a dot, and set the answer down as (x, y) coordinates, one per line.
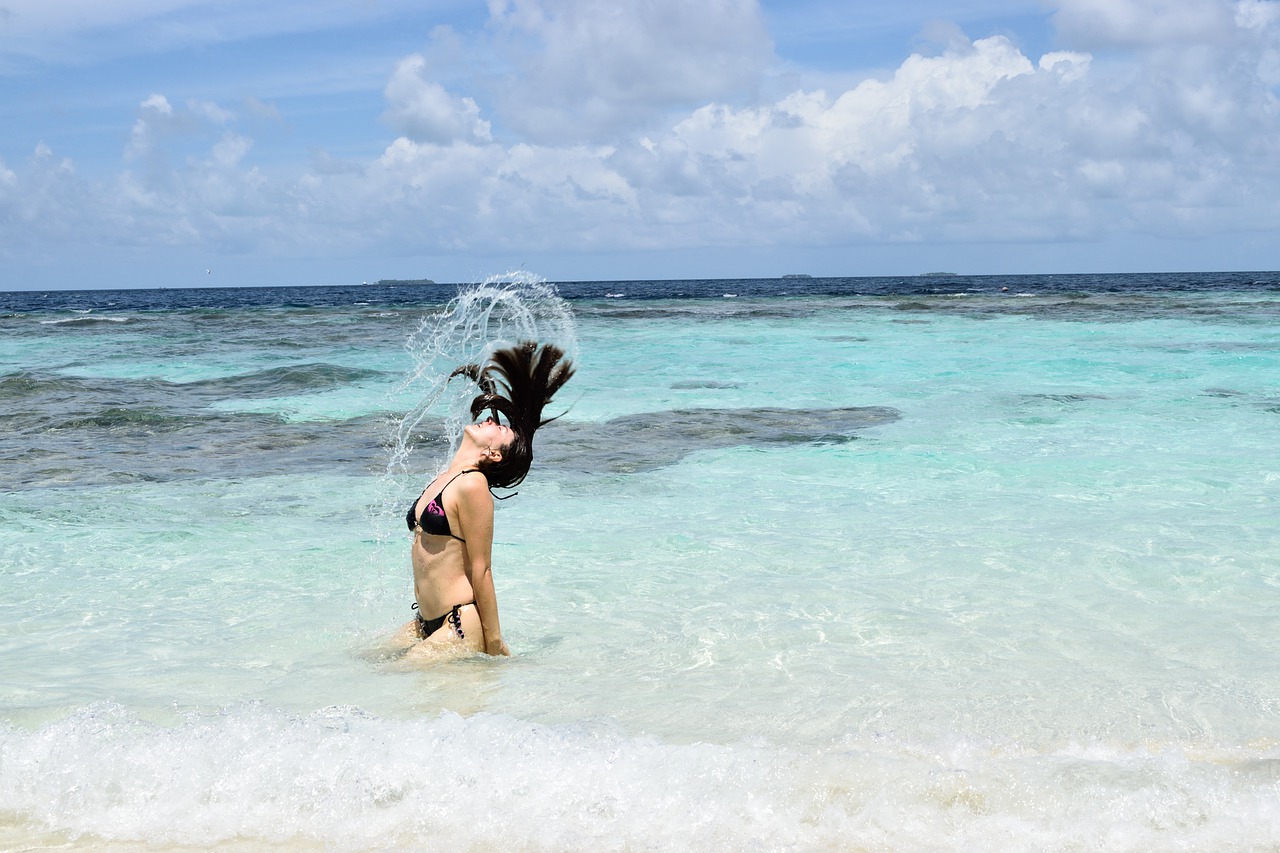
(933, 567)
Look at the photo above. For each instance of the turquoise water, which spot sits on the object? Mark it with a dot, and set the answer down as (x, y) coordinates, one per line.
(885, 572)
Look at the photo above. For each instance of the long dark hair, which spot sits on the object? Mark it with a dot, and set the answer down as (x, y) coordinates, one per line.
(517, 383)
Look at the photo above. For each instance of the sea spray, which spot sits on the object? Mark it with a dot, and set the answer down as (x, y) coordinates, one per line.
(500, 312)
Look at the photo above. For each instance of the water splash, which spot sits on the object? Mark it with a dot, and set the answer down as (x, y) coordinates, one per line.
(496, 313)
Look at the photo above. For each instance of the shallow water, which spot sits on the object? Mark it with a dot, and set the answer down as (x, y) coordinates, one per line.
(874, 566)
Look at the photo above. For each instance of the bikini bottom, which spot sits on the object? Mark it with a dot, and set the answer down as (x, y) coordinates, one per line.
(427, 627)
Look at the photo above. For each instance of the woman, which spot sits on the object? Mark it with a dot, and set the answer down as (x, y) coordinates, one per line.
(452, 520)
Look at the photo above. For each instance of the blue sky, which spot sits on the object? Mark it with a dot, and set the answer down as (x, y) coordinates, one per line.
(230, 142)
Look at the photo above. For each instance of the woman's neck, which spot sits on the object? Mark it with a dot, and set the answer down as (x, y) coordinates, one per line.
(466, 458)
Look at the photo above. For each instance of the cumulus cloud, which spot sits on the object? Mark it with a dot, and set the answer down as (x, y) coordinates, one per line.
(422, 110)
(229, 151)
(158, 120)
(45, 199)
(1257, 14)
(938, 150)
(592, 70)
(1259, 22)
(210, 112)
(978, 143)
(1100, 23)
(153, 113)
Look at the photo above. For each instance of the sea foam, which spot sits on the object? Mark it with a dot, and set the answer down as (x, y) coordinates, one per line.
(342, 778)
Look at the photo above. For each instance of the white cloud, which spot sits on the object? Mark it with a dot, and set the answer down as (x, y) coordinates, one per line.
(76, 31)
(980, 143)
(209, 111)
(422, 109)
(1144, 22)
(46, 202)
(159, 121)
(1259, 22)
(891, 159)
(1068, 65)
(229, 151)
(1257, 14)
(153, 113)
(158, 103)
(591, 70)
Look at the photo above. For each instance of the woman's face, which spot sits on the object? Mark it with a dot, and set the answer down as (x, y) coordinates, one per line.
(491, 434)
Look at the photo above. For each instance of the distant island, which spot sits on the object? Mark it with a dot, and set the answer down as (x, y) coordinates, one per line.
(935, 274)
(797, 275)
(399, 281)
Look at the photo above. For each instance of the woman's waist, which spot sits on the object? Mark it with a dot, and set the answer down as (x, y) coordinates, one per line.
(434, 598)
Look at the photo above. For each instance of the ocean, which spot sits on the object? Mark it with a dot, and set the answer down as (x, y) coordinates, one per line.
(900, 564)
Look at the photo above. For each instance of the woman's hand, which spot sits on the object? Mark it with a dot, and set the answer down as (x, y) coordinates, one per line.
(496, 646)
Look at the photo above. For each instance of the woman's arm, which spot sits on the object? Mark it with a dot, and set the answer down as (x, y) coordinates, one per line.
(475, 516)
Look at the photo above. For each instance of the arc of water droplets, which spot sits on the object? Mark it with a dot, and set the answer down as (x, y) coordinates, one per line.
(498, 312)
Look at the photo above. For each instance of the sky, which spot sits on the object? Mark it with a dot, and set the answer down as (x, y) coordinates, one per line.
(187, 143)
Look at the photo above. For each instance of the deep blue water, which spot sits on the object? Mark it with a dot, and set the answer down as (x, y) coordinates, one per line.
(1081, 286)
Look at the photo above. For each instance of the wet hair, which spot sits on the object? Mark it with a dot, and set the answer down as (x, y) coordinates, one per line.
(516, 384)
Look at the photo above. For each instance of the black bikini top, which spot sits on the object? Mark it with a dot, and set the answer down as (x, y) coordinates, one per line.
(433, 520)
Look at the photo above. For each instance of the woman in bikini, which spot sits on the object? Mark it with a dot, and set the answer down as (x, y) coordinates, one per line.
(452, 520)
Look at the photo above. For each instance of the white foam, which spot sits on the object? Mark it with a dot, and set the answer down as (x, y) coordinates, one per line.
(349, 780)
(84, 320)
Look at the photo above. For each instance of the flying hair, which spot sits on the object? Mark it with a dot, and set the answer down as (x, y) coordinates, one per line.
(517, 383)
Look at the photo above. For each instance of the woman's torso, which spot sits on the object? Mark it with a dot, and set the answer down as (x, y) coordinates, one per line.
(439, 558)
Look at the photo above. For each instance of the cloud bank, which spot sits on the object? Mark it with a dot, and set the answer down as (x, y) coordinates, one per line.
(583, 126)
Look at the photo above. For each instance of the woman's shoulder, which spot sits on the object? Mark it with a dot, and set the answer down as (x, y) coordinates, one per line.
(473, 485)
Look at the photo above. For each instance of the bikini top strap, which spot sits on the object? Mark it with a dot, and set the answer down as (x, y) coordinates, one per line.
(456, 476)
